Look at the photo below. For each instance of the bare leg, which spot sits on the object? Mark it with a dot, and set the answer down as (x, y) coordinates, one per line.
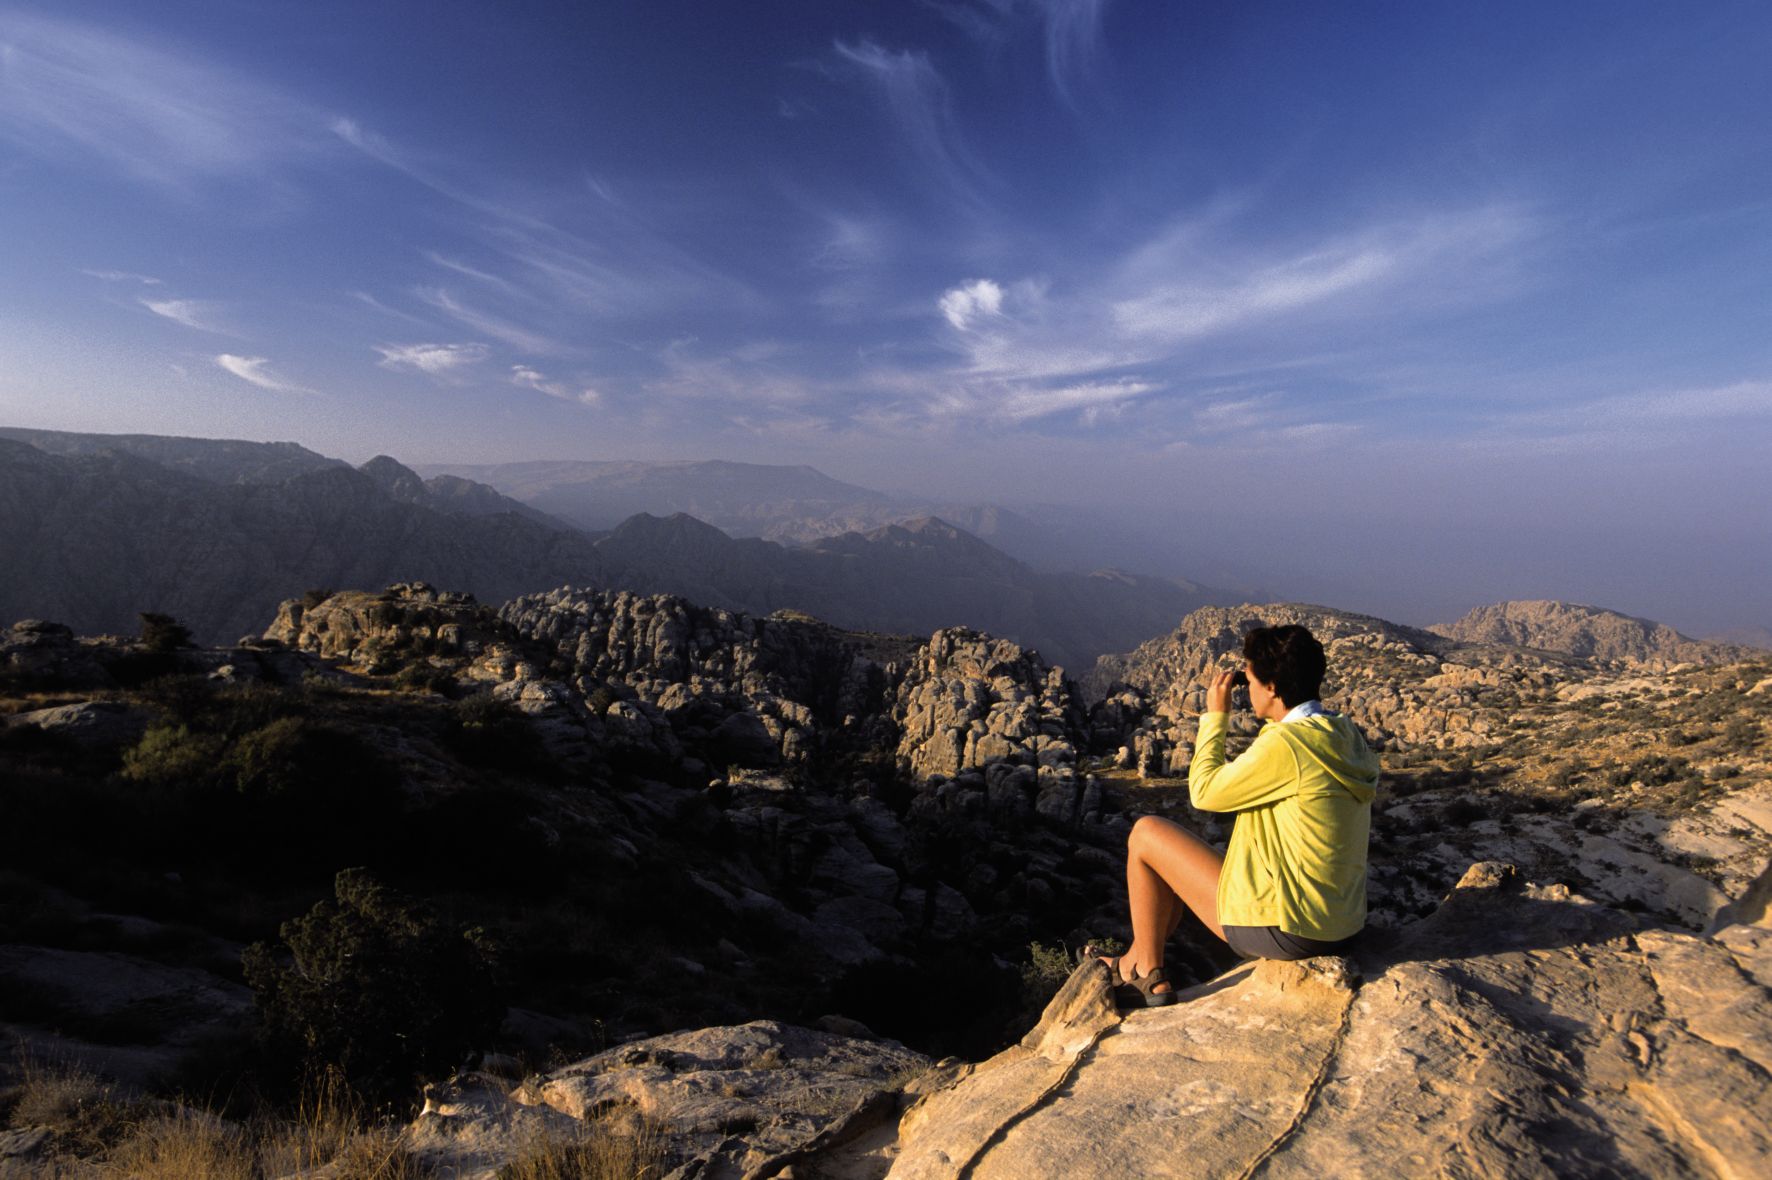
(1167, 868)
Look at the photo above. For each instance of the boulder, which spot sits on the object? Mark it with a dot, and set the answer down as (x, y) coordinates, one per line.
(730, 1101)
(91, 723)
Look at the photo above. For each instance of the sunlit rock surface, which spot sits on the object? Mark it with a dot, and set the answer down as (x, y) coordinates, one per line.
(1518, 1031)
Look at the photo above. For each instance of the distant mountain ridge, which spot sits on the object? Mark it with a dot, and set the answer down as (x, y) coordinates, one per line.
(219, 460)
(235, 528)
(1586, 632)
(737, 498)
(796, 505)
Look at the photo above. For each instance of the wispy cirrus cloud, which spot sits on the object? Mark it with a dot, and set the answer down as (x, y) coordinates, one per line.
(1091, 397)
(516, 335)
(1133, 326)
(201, 314)
(70, 90)
(1339, 274)
(368, 300)
(436, 360)
(123, 276)
(531, 378)
(592, 252)
(256, 370)
(481, 276)
(1073, 42)
(1069, 30)
(917, 97)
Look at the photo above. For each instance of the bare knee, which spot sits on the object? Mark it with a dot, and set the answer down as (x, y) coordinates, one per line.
(1147, 829)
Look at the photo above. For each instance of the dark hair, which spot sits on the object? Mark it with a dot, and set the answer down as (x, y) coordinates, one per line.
(1290, 659)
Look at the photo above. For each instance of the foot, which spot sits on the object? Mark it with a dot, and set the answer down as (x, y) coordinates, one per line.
(1125, 969)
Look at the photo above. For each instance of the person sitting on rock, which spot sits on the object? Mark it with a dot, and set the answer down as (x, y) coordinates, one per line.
(1292, 883)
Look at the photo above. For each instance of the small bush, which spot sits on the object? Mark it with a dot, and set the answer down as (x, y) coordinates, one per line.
(313, 598)
(376, 986)
(173, 756)
(163, 633)
(1046, 967)
(292, 757)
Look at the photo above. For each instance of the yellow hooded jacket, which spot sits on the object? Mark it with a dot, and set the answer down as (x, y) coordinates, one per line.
(1303, 794)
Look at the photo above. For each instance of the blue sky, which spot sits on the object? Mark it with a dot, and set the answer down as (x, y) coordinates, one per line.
(1400, 306)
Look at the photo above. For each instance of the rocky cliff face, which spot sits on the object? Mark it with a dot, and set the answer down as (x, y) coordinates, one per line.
(1585, 632)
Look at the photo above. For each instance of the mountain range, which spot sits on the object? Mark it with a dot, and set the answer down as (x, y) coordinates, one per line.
(797, 505)
(218, 532)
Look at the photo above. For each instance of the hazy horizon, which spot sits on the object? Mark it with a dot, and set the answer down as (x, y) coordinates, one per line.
(1397, 309)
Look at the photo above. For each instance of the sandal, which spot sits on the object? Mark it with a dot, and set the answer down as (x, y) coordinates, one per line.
(1137, 992)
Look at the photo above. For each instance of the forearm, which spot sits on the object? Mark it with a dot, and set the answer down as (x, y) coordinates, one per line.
(1208, 760)
(1264, 773)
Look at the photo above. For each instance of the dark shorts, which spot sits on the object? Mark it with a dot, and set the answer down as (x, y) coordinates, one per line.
(1271, 942)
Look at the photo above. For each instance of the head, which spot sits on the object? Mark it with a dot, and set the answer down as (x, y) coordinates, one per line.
(1285, 664)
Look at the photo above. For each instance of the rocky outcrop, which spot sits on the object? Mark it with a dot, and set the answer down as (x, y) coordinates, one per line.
(92, 724)
(47, 654)
(1520, 1030)
(1000, 723)
(1585, 632)
(38, 656)
(970, 700)
(731, 688)
(1400, 684)
(365, 628)
(749, 1100)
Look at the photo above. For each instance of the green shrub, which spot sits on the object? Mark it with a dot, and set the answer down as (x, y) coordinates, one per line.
(1046, 967)
(163, 633)
(173, 756)
(376, 986)
(291, 756)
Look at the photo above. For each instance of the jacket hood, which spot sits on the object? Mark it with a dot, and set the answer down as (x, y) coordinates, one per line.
(1337, 743)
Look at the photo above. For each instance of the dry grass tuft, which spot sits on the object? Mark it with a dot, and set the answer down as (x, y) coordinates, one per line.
(183, 1145)
(379, 1155)
(55, 1095)
(606, 1150)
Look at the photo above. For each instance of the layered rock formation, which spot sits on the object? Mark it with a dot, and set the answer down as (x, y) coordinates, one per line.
(1586, 632)
(1518, 1031)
